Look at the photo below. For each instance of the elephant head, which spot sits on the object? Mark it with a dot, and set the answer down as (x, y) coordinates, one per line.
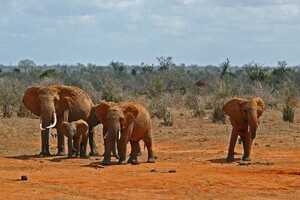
(118, 123)
(42, 101)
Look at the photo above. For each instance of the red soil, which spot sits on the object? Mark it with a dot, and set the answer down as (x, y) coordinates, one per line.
(190, 165)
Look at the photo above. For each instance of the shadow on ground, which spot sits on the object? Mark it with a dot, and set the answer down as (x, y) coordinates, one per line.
(223, 160)
(27, 157)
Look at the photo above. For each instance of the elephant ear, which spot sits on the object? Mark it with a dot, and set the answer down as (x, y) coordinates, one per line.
(82, 127)
(234, 108)
(31, 100)
(260, 105)
(101, 110)
(130, 112)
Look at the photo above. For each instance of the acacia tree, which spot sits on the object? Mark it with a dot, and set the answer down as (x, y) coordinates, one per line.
(165, 63)
(257, 75)
(26, 64)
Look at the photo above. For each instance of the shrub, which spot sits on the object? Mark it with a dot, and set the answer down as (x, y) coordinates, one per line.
(193, 103)
(168, 118)
(288, 114)
(7, 110)
(158, 108)
(218, 114)
(288, 111)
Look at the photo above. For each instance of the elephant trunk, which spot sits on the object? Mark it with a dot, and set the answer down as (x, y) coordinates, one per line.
(253, 122)
(49, 126)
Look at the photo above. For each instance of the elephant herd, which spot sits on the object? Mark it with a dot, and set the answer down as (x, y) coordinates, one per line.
(72, 113)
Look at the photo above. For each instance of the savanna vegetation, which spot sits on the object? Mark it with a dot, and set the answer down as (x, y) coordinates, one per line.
(161, 86)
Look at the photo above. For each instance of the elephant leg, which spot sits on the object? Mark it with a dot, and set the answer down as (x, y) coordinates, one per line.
(45, 143)
(139, 152)
(60, 143)
(233, 139)
(114, 150)
(70, 146)
(93, 146)
(148, 143)
(134, 152)
(247, 141)
(84, 140)
(122, 149)
(107, 149)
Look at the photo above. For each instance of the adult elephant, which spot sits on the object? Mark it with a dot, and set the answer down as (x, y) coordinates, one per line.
(125, 122)
(243, 115)
(55, 104)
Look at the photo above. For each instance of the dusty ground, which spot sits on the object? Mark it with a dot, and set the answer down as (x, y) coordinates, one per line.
(193, 150)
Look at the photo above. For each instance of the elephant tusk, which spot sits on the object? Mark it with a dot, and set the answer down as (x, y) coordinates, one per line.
(54, 123)
(119, 135)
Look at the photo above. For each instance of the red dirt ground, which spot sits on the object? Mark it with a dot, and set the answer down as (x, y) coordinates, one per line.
(190, 165)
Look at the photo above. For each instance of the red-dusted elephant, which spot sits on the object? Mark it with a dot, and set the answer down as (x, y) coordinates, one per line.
(77, 134)
(58, 103)
(125, 122)
(243, 115)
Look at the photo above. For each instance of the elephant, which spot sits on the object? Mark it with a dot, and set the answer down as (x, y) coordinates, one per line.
(77, 134)
(55, 104)
(125, 122)
(244, 115)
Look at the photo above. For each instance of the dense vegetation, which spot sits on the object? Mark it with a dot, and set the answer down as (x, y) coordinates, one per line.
(200, 89)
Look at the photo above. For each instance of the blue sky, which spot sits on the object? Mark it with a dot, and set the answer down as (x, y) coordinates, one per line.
(134, 31)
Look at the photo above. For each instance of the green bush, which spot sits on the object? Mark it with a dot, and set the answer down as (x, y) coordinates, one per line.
(288, 114)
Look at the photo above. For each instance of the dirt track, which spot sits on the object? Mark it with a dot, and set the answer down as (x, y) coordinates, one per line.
(193, 148)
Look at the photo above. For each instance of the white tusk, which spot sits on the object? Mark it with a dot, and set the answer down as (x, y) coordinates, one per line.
(119, 135)
(54, 123)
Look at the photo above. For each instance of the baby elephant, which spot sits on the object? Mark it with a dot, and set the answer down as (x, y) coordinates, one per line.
(244, 116)
(77, 133)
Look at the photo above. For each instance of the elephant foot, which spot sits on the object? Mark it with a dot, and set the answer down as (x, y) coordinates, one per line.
(84, 156)
(122, 162)
(105, 162)
(44, 154)
(94, 154)
(230, 159)
(70, 155)
(151, 160)
(133, 161)
(246, 158)
(60, 153)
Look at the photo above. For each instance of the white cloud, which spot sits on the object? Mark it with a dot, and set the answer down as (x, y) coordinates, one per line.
(114, 4)
(217, 26)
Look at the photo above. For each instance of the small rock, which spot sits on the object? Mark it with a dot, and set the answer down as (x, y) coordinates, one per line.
(153, 170)
(24, 178)
(267, 145)
(172, 171)
(256, 144)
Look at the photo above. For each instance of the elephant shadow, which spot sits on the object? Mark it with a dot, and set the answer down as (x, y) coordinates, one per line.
(223, 160)
(59, 159)
(26, 157)
(97, 165)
